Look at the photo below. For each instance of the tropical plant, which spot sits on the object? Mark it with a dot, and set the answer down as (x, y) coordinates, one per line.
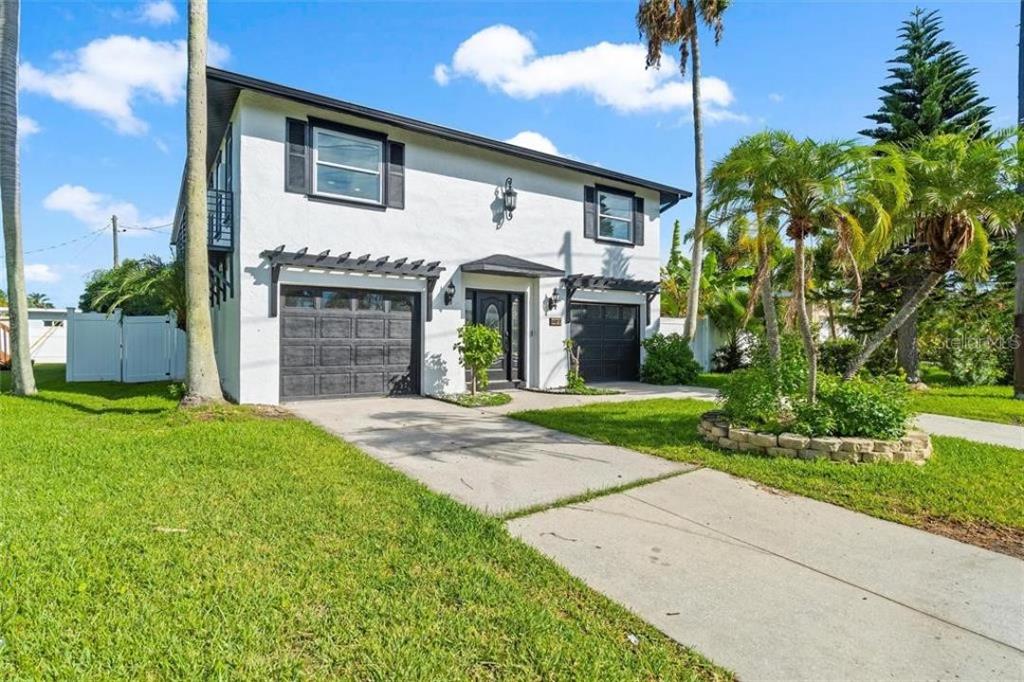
(203, 379)
(39, 300)
(677, 22)
(22, 380)
(762, 394)
(478, 347)
(961, 188)
(930, 90)
(3, 298)
(669, 360)
(148, 286)
(812, 190)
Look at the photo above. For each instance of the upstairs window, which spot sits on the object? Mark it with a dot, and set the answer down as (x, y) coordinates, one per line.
(614, 216)
(348, 166)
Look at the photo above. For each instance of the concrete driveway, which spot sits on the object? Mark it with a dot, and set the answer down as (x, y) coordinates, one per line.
(777, 586)
(482, 459)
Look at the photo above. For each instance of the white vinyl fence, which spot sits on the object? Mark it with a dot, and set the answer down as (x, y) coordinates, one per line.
(124, 348)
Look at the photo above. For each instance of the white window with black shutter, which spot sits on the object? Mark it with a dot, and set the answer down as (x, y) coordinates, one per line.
(333, 161)
(614, 216)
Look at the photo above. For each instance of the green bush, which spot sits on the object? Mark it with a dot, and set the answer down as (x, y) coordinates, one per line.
(761, 394)
(478, 346)
(865, 408)
(771, 396)
(973, 361)
(669, 360)
(835, 355)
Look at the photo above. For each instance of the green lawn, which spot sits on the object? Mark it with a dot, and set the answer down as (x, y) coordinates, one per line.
(987, 403)
(970, 491)
(138, 541)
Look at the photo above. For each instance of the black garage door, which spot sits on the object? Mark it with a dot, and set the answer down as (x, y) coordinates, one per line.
(346, 342)
(609, 337)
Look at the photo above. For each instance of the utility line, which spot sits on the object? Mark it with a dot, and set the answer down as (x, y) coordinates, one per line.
(70, 241)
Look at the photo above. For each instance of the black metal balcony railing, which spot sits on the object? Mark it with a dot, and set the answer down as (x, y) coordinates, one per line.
(220, 221)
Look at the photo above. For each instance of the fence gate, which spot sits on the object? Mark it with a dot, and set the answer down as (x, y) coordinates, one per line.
(125, 348)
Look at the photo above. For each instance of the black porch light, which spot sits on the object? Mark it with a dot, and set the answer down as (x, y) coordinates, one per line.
(449, 293)
(553, 299)
(510, 199)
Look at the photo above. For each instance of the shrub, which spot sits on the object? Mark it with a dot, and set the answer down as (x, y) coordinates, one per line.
(669, 360)
(761, 395)
(574, 382)
(478, 346)
(732, 356)
(972, 361)
(835, 355)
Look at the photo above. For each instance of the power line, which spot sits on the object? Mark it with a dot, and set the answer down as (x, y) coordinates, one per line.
(69, 241)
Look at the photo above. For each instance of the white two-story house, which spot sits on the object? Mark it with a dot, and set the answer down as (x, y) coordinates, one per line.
(348, 246)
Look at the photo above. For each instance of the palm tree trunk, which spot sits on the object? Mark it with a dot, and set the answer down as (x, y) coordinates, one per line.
(1018, 318)
(22, 380)
(203, 378)
(906, 341)
(810, 348)
(901, 316)
(771, 320)
(698, 225)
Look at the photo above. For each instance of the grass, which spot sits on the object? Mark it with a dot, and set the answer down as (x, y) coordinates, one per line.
(481, 399)
(985, 403)
(970, 491)
(141, 541)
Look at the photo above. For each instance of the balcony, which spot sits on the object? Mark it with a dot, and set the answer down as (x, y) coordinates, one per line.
(220, 222)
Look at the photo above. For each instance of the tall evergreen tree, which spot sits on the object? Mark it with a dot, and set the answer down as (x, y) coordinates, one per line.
(931, 90)
(931, 87)
(675, 252)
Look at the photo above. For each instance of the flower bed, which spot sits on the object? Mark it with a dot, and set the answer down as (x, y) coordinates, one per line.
(914, 447)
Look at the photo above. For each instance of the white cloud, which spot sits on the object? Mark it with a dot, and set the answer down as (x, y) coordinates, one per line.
(535, 141)
(775, 97)
(158, 12)
(109, 75)
(94, 209)
(40, 272)
(27, 126)
(612, 74)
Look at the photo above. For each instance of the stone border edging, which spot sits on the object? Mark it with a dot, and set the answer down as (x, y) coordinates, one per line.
(915, 447)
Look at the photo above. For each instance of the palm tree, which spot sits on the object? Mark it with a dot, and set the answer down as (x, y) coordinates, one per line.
(203, 378)
(677, 21)
(961, 188)
(741, 190)
(39, 300)
(22, 379)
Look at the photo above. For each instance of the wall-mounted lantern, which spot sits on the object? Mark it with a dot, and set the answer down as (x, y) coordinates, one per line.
(510, 199)
(449, 293)
(552, 301)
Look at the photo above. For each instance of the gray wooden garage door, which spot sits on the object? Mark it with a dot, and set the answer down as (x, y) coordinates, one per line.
(347, 342)
(609, 338)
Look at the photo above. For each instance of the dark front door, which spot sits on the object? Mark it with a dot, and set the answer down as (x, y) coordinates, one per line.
(503, 312)
(348, 342)
(609, 339)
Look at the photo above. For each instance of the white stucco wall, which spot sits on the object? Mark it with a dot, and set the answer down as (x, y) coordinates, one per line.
(449, 189)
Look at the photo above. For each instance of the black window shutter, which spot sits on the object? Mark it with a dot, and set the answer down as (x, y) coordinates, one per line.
(638, 221)
(296, 160)
(590, 213)
(396, 175)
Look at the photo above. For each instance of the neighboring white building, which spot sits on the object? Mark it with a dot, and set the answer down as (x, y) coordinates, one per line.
(47, 335)
(349, 245)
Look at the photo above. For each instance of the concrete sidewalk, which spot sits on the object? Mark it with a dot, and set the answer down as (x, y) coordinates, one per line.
(523, 400)
(486, 461)
(777, 586)
(972, 429)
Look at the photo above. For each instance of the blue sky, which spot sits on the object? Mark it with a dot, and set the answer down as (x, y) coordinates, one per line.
(102, 90)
